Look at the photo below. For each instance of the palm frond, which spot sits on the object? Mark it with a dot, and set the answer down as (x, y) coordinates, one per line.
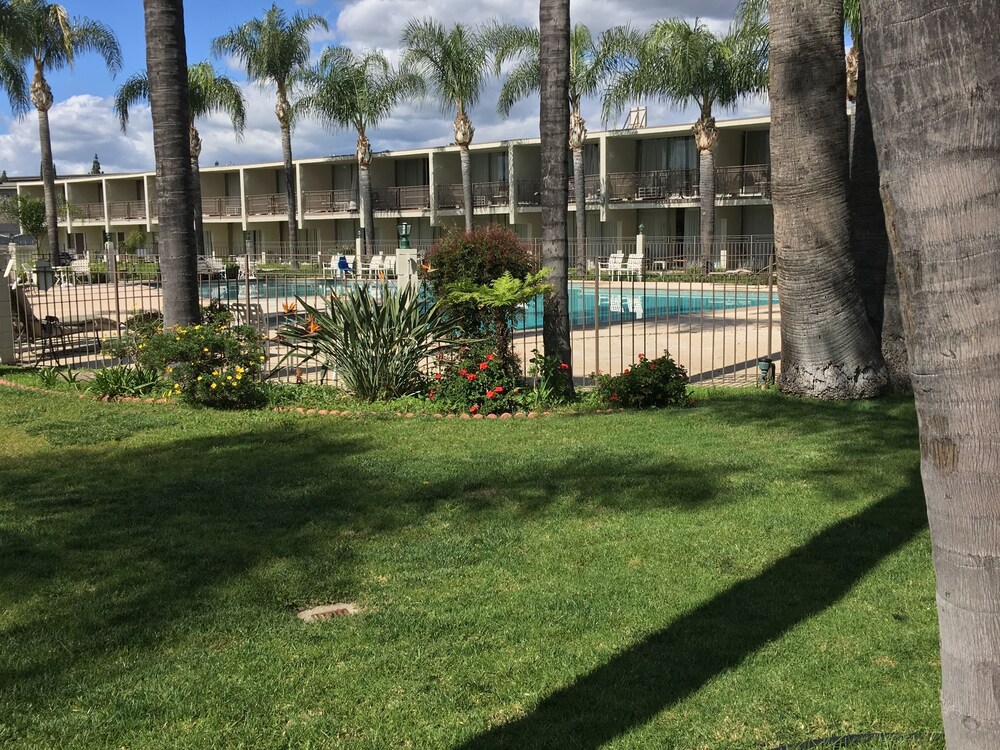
(453, 64)
(520, 83)
(133, 91)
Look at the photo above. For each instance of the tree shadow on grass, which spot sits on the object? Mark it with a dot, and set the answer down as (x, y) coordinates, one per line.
(675, 662)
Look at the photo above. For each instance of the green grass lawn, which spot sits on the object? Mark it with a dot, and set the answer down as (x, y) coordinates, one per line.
(749, 573)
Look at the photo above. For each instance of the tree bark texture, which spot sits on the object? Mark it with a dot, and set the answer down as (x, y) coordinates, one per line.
(286, 153)
(580, 196)
(196, 208)
(167, 71)
(706, 191)
(363, 150)
(828, 349)
(463, 153)
(873, 266)
(554, 128)
(933, 84)
(49, 186)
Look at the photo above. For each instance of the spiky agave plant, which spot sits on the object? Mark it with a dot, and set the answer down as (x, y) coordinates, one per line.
(374, 338)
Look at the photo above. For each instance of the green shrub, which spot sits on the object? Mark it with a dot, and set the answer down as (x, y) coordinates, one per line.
(125, 380)
(374, 338)
(137, 330)
(478, 259)
(551, 376)
(212, 364)
(478, 382)
(646, 384)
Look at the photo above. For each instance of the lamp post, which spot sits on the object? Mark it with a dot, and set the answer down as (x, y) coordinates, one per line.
(407, 262)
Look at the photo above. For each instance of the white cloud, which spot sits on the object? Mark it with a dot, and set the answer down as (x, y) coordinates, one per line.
(84, 124)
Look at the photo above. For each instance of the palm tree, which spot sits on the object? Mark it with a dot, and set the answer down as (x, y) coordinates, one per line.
(348, 91)
(870, 243)
(553, 124)
(453, 64)
(166, 63)
(828, 350)
(686, 64)
(208, 92)
(588, 67)
(44, 36)
(275, 50)
(937, 130)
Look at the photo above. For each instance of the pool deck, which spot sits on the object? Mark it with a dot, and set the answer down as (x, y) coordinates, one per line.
(715, 346)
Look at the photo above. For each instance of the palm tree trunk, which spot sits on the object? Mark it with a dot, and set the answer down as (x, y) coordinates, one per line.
(367, 210)
(49, 186)
(706, 136)
(870, 240)
(166, 64)
(937, 131)
(579, 188)
(554, 128)
(284, 112)
(828, 349)
(196, 208)
(363, 150)
(466, 186)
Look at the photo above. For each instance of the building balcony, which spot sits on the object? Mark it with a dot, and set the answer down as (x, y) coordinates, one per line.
(87, 212)
(749, 180)
(657, 186)
(272, 204)
(409, 198)
(329, 201)
(484, 195)
(223, 207)
(127, 210)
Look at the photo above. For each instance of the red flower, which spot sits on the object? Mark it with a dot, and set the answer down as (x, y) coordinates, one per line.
(563, 366)
(473, 409)
(431, 396)
(641, 356)
(463, 372)
(614, 397)
(627, 371)
(483, 365)
(490, 394)
(470, 377)
(652, 365)
(490, 357)
(498, 389)
(437, 376)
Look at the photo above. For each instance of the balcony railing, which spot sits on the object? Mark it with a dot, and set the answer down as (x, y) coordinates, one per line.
(746, 180)
(657, 186)
(529, 192)
(329, 201)
(222, 207)
(274, 204)
(484, 195)
(127, 210)
(591, 188)
(88, 212)
(413, 197)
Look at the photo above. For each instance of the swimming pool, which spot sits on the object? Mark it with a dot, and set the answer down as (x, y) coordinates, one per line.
(615, 305)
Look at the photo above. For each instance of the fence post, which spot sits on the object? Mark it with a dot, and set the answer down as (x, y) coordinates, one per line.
(7, 318)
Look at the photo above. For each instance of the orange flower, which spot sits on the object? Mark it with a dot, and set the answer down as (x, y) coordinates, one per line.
(289, 307)
(313, 327)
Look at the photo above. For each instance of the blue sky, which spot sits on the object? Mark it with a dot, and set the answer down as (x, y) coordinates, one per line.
(82, 119)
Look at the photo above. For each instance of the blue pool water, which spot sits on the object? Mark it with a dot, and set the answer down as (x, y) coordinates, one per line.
(615, 305)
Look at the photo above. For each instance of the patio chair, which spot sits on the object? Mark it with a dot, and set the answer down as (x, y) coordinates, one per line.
(373, 268)
(614, 265)
(211, 268)
(634, 266)
(253, 315)
(248, 268)
(389, 266)
(79, 270)
(30, 329)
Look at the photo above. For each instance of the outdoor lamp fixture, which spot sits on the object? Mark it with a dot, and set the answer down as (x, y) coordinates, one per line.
(642, 229)
(403, 230)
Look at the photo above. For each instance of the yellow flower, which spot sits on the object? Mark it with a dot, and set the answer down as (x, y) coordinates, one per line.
(229, 377)
(197, 328)
(239, 375)
(262, 358)
(214, 385)
(233, 384)
(205, 349)
(199, 377)
(170, 369)
(215, 372)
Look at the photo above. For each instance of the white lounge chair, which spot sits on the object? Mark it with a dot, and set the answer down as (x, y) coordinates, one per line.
(211, 268)
(389, 266)
(634, 266)
(374, 268)
(614, 265)
(79, 270)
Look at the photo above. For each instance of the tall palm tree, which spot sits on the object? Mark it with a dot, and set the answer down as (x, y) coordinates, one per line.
(275, 50)
(827, 348)
(553, 125)
(360, 92)
(208, 92)
(454, 66)
(937, 130)
(166, 63)
(46, 38)
(685, 64)
(588, 68)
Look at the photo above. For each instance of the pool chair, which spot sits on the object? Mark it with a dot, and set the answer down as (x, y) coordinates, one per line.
(389, 266)
(253, 315)
(613, 266)
(46, 331)
(634, 266)
(248, 268)
(374, 268)
(345, 266)
(211, 268)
